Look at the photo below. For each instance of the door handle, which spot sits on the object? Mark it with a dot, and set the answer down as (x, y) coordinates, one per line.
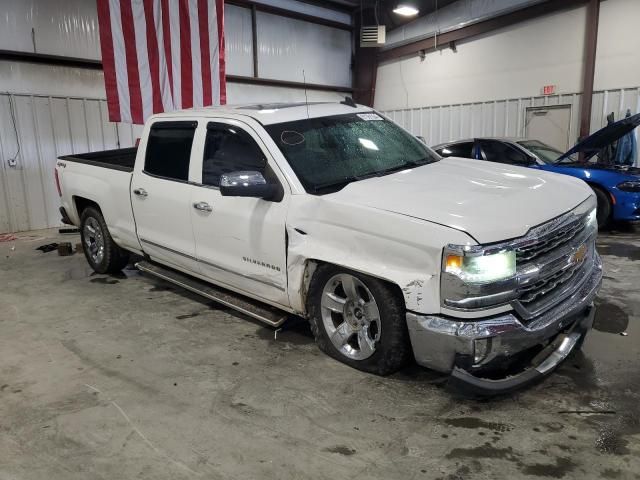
(203, 206)
(141, 192)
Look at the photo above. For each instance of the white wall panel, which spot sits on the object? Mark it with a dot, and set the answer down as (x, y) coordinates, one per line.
(286, 47)
(60, 27)
(509, 63)
(505, 118)
(516, 61)
(241, 93)
(617, 56)
(41, 129)
(50, 80)
(238, 40)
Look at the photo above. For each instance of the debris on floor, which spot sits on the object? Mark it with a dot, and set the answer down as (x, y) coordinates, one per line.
(65, 249)
(49, 247)
(7, 237)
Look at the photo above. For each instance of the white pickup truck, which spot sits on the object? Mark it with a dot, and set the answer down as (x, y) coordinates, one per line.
(334, 213)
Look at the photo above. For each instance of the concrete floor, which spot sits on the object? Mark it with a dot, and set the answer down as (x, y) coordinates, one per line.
(119, 378)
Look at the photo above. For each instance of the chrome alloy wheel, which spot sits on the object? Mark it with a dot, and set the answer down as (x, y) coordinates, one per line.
(350, 316)
(94, 240)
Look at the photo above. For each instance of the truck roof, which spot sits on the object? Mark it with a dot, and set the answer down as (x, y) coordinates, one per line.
(271, 113)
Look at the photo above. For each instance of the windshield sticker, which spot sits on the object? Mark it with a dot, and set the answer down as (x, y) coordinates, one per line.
(369, 116)
(289, 137)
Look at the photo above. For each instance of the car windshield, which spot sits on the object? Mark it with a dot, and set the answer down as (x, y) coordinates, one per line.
(546, 153)
(327, 153)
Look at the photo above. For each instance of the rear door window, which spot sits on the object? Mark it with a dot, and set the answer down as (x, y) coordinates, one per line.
(169, 150)
(502, 152)
(464, 150)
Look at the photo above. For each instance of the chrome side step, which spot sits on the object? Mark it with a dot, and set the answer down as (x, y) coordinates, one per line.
(254, 309)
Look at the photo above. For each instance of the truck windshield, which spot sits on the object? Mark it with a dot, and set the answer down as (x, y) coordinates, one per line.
(327, 153)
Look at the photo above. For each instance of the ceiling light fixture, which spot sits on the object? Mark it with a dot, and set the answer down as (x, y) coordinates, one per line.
(406, 10)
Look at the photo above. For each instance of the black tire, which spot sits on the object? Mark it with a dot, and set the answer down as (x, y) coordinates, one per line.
(114, 258)
(392, 349)
(603, 213)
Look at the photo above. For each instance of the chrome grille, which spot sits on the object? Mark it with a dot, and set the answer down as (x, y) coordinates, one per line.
(553, 284)
(555, 239)
(545, 286)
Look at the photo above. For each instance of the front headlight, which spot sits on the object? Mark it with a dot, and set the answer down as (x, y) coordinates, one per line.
(478, 266)
(630, 186)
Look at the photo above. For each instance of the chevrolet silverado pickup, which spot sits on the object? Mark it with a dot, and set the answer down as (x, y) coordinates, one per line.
(334, 213)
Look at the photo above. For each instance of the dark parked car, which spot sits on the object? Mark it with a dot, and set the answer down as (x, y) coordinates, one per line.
(617, 187)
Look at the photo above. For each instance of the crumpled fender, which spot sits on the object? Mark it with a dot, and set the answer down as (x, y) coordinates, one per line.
(402, 250)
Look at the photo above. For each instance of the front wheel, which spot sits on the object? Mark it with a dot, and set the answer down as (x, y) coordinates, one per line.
(100, 250)
(603, 212)
(358, 320)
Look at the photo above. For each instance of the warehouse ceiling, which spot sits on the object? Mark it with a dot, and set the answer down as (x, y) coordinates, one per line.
(392, 20)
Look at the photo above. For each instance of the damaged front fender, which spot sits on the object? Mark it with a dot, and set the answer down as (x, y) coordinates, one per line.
(399, 249)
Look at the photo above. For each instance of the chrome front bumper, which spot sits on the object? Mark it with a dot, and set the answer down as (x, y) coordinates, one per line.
(463, 347)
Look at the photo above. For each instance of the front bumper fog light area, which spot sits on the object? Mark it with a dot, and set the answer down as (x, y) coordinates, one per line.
(481, 348)
(482, 268)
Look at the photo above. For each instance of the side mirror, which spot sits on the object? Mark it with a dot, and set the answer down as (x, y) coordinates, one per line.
(246, 184)
(422, 139)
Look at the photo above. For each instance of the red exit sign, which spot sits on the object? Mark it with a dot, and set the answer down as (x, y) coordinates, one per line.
(549, 90)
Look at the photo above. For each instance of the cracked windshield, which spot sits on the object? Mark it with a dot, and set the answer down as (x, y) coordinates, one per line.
(328, 153)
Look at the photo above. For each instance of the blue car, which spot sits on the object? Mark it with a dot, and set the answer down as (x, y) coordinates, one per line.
(617, 187)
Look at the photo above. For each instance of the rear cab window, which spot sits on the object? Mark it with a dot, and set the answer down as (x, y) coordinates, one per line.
(169, 150)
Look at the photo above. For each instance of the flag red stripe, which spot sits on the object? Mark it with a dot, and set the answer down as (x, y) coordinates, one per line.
(152, 50)
(223, 78)
(186, 77)
(133, 75)
(108, 61)
(166, 37)
(203, 26)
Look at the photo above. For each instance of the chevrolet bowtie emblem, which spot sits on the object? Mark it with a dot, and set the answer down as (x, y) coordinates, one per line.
(580, 254)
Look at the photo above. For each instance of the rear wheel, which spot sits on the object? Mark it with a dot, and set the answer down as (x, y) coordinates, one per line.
(358, 320)
(100, 250)
(603, 213)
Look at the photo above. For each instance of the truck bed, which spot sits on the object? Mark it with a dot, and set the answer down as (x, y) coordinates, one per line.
(119, 159)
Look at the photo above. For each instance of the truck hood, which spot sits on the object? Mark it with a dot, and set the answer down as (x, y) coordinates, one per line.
(489, 201)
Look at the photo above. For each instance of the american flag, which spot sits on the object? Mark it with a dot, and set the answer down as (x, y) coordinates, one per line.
(161, 55)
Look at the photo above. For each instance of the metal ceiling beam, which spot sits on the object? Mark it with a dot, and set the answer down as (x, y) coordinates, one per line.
(343, 6)
(261, 7)
(459, 34)
(42, 58)
(286, 83)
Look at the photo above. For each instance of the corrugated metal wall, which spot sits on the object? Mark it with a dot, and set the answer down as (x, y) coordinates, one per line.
(48, 119)
(34, 131)
(505, 118)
